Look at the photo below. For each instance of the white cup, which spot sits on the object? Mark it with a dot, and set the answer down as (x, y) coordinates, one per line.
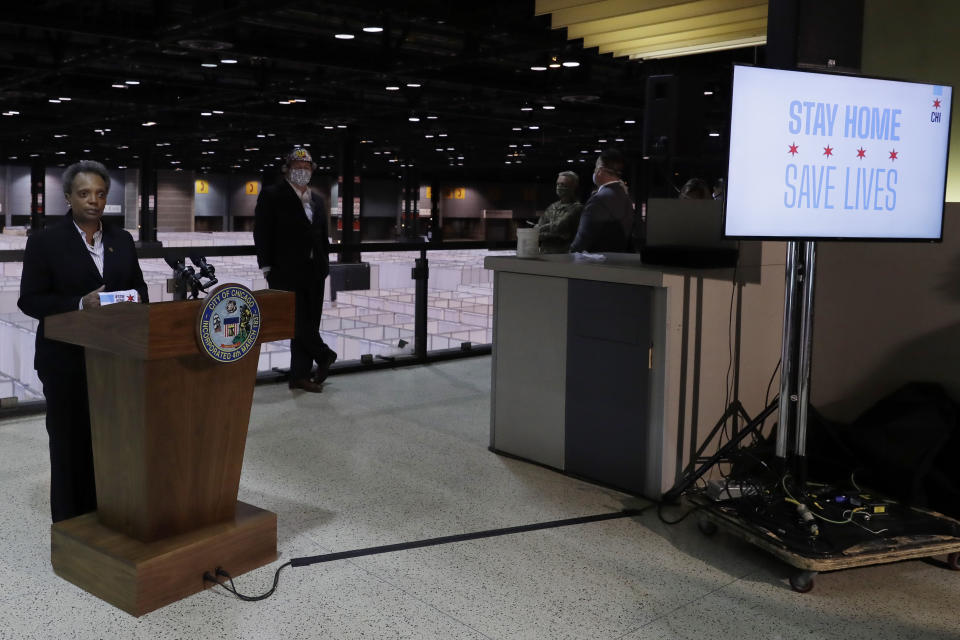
(528, 243)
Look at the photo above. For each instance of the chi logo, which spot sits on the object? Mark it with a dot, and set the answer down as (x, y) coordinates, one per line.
(228, 323)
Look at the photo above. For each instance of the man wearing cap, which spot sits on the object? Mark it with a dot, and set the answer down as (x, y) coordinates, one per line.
(559, 222)
(290, 235)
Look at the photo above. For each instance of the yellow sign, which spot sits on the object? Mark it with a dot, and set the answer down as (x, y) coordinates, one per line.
(448, 193)
(203, 186)
(252, 188)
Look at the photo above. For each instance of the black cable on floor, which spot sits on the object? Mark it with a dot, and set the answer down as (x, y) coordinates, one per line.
(463, 537)
(418, 544)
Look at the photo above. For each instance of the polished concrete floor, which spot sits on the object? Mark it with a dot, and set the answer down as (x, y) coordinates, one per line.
(394, 456)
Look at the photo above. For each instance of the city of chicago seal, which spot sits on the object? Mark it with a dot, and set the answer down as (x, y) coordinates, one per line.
(228, 323)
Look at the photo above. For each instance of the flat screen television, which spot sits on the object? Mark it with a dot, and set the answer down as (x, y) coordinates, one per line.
(816, 156)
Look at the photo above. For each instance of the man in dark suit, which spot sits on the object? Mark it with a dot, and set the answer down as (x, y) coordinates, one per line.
(65, 267)
(607, 221)
(290, 235)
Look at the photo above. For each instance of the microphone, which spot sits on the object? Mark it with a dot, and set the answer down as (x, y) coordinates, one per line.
(181, 271)
(206, 270)
(183, 277)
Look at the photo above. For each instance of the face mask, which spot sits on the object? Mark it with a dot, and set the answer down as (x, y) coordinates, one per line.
(299, 177)
(563, 192)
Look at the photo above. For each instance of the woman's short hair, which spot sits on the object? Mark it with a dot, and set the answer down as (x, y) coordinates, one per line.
(84, 166)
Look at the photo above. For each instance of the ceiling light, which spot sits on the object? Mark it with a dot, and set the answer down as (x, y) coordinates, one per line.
(61, 153)
(441, 135)
(131, 82)
(328, 126)
(208, 65)
(439, 149)
(228, 61)
(618, 139)
(413, 85)
(549, 107)
(629, 122)
(428, 135)
(54, 101)
(518, 128)
(432, 117)
(339, 126)
(344, 36)
(214, 140)
(714, 134)
(413, 119)
(708, 93)
(512, 146)
(298, 100)
(260, 135)
(64, 99)
(533, 127)
(373, 29)
(392, 87)
(119, 86)
(571, 64)
(205, 113)
(527, 144)
(538, 67)
(219, 113)
(554, 63)
(526, 108)
(149, 123)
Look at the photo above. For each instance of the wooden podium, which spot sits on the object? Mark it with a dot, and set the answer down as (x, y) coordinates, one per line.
(169, 425)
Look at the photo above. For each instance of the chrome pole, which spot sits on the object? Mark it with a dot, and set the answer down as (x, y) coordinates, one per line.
(786, 349)
(806, 347)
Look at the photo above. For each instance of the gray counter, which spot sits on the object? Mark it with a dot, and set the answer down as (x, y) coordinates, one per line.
(608, 369)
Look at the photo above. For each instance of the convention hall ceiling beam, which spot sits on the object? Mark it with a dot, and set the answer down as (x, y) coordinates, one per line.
(659, 28)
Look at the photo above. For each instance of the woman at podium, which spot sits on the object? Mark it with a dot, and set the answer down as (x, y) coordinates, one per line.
(65, 268)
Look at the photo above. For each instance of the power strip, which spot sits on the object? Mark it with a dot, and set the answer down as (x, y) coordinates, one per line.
(728, 489)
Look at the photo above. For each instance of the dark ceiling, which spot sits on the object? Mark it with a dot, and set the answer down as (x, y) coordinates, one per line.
(463, 69)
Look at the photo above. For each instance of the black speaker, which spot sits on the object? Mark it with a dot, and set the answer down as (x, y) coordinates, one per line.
(815, 34)
(830, 34)
(660, 117)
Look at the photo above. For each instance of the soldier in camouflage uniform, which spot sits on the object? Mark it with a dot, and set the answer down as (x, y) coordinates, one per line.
(558, 224)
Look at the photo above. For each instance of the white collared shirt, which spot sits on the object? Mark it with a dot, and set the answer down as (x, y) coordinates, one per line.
(96, 250)
(305, 199)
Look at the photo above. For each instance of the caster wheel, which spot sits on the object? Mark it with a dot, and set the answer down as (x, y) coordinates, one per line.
(953, 561)
(707, 527)
(802, 582)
